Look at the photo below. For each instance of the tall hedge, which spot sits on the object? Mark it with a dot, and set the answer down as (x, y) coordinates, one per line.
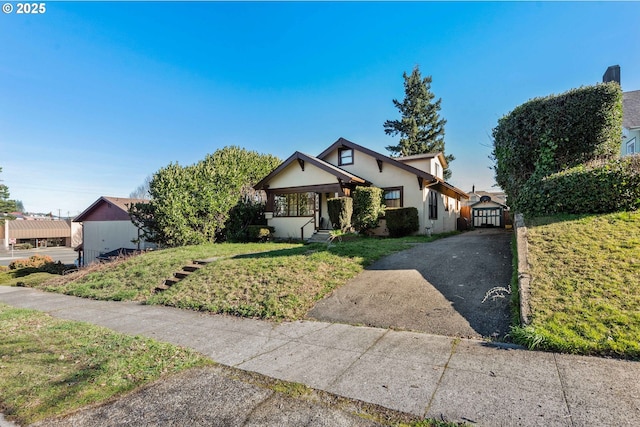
(367, 208)
(340, 212)
(597, 187)
(402, 221)
(547, 135)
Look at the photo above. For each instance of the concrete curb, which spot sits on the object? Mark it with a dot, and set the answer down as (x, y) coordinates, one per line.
(524, 275)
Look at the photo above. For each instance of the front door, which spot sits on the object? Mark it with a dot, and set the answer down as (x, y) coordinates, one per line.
(318, 210)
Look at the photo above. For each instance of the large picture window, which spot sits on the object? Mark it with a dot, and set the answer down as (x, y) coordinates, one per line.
(433, 205)
(294, 204)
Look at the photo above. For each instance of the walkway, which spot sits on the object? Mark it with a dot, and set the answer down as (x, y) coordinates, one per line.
(421, 374)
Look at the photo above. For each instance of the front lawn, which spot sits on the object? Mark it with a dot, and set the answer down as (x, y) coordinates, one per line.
(268, 280)
(50, 367)
(585, 293)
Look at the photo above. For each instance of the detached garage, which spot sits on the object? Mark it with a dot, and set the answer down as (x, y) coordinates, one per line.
(107, 227)
(488, 213)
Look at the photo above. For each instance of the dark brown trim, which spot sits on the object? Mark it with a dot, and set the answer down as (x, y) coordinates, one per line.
(322, 188)
(301, 163)
(380, 163)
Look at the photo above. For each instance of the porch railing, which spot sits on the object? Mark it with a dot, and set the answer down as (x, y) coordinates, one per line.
(312, 220)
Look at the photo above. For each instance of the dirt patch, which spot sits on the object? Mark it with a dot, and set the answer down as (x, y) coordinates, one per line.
(435, 287)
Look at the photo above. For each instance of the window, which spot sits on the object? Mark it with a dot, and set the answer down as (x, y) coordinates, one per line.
(437, 167)
(446, 203)
(345, 156)
(294, 204)
(433, 205)
(631, 146)
(393, 197)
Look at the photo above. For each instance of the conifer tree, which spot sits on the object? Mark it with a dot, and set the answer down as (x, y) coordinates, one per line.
(420, 127)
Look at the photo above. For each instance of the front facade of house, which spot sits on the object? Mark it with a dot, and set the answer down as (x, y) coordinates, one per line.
(107, 227)
(298, 189)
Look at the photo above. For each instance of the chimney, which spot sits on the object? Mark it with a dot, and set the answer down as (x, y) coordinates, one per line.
(612, 74)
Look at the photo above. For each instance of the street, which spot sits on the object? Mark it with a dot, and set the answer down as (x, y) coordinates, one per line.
(64, 254)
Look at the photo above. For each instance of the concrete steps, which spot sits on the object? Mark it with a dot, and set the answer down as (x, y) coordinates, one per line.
(320, 236)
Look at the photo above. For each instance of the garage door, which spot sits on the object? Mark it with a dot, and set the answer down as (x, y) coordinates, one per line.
(488, 217)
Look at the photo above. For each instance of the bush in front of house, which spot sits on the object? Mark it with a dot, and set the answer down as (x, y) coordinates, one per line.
(260, 233)
(596, 187)
(244, 217)
(367, 208)
(340, 212)
(34, 261)
(402, 221)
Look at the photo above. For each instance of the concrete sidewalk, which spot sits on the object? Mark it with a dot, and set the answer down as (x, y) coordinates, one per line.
(424, 375)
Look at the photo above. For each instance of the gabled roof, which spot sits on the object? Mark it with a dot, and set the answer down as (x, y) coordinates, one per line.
(439, 155)
(121, 203)
(343, 175)
(429, 180)
(631, 109)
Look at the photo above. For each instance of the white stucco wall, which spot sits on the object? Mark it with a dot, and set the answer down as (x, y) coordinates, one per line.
(289, 227)
(293, 176)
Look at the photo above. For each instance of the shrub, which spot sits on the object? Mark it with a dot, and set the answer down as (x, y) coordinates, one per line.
(547, 135)
(402, 221)
(23, 246)
(367, 208)
(340, 212)
(242, 216)
(597, 187)
(34, 261)
(259, 233)
(3, 268)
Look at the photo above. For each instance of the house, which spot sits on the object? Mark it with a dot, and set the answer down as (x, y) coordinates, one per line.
(298, 189)
(107, 227)
(37, 233)
(630, 114)
(630, 122)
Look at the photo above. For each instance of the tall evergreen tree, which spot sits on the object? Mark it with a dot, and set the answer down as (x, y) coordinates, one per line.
(421, 128)
(6, 205)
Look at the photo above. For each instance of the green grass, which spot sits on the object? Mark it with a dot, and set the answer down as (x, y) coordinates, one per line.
(22, 278)
(585, 294)
(50, 367)
(270, 281)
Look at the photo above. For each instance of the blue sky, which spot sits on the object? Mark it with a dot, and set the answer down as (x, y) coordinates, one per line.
(95, 96)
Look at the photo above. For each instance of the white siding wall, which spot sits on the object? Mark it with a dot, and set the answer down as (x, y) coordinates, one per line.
(289, 227)
(105, 236)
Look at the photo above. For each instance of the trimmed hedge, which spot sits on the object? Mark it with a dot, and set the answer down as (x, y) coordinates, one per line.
(598, 187)
(402, 221)
(34, 261)
(340, 212)
(367, 208)
(547, 135)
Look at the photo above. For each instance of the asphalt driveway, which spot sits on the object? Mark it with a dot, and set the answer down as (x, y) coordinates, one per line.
(435, 287)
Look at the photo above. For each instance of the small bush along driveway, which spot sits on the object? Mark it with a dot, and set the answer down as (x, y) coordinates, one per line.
(435, 287)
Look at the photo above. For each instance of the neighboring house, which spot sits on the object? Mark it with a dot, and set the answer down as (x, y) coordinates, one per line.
(107, 227)
(37, 233)
(298, 189)
(630, 122)
(630, 114)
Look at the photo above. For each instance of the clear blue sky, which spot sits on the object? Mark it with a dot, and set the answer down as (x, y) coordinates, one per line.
(96, 96)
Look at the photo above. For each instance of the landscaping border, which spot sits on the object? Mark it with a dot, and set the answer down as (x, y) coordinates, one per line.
(524, 276)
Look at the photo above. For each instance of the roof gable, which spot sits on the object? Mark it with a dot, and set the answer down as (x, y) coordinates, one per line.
(302, 158)
(108, 209)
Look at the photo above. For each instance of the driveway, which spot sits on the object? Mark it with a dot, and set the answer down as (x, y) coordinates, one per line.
(435, 287)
